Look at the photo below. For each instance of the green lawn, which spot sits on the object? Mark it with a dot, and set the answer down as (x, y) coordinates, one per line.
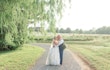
(21, 59)
(97, 55)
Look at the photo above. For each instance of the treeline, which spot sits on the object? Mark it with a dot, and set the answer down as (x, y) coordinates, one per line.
(101, 30)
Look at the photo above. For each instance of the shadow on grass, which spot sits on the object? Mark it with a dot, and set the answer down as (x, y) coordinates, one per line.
(6, 52)
(9, 51)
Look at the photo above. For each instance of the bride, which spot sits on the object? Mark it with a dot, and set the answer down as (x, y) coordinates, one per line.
(53, 57)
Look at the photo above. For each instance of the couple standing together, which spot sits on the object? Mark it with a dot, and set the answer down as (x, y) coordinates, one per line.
(55, 55)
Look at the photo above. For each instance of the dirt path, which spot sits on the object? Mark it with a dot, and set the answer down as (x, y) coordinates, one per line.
(68, 62)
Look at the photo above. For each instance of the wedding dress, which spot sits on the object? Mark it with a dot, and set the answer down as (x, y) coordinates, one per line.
(53, 57)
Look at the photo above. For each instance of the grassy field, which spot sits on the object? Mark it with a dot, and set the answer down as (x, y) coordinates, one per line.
(96, 52)
(21, 59)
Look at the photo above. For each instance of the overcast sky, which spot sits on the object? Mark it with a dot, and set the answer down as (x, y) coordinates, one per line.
(86, 14)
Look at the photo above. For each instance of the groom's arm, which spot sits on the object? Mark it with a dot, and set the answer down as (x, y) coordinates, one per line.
(61, 42)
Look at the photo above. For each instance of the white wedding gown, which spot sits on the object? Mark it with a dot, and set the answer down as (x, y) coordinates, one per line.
(53, 57)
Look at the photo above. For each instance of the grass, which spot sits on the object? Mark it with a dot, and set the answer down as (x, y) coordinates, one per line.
(21, 59)
(97, 54)
(96, 50)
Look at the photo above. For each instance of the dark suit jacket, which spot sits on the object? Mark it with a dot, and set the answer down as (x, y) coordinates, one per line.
(62, 46)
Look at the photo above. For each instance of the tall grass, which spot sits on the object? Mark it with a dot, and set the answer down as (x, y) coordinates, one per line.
(96, 52)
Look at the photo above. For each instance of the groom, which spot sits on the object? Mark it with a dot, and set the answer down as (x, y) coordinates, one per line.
(61, 47)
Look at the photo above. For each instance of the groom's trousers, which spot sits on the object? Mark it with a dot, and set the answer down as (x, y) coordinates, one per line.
(61, 53)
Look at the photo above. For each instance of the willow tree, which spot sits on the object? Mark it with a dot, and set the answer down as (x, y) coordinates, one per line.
(15, 14)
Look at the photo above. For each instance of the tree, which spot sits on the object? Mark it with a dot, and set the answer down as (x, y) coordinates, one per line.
(14, 16)
(68, 30)
(103, 30)
(62, 30)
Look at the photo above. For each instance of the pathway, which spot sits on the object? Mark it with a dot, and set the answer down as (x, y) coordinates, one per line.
(68, 62)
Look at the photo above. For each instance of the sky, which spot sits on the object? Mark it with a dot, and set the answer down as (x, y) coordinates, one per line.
(86, 14)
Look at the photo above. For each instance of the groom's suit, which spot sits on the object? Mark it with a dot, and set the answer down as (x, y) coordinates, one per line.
(61, 49)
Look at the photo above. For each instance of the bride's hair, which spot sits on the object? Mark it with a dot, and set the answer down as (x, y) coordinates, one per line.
(55, 40)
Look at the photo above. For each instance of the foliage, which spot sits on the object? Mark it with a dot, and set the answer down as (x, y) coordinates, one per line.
(67, 30)
(15, 16)
(101, 30)
(70, 37)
